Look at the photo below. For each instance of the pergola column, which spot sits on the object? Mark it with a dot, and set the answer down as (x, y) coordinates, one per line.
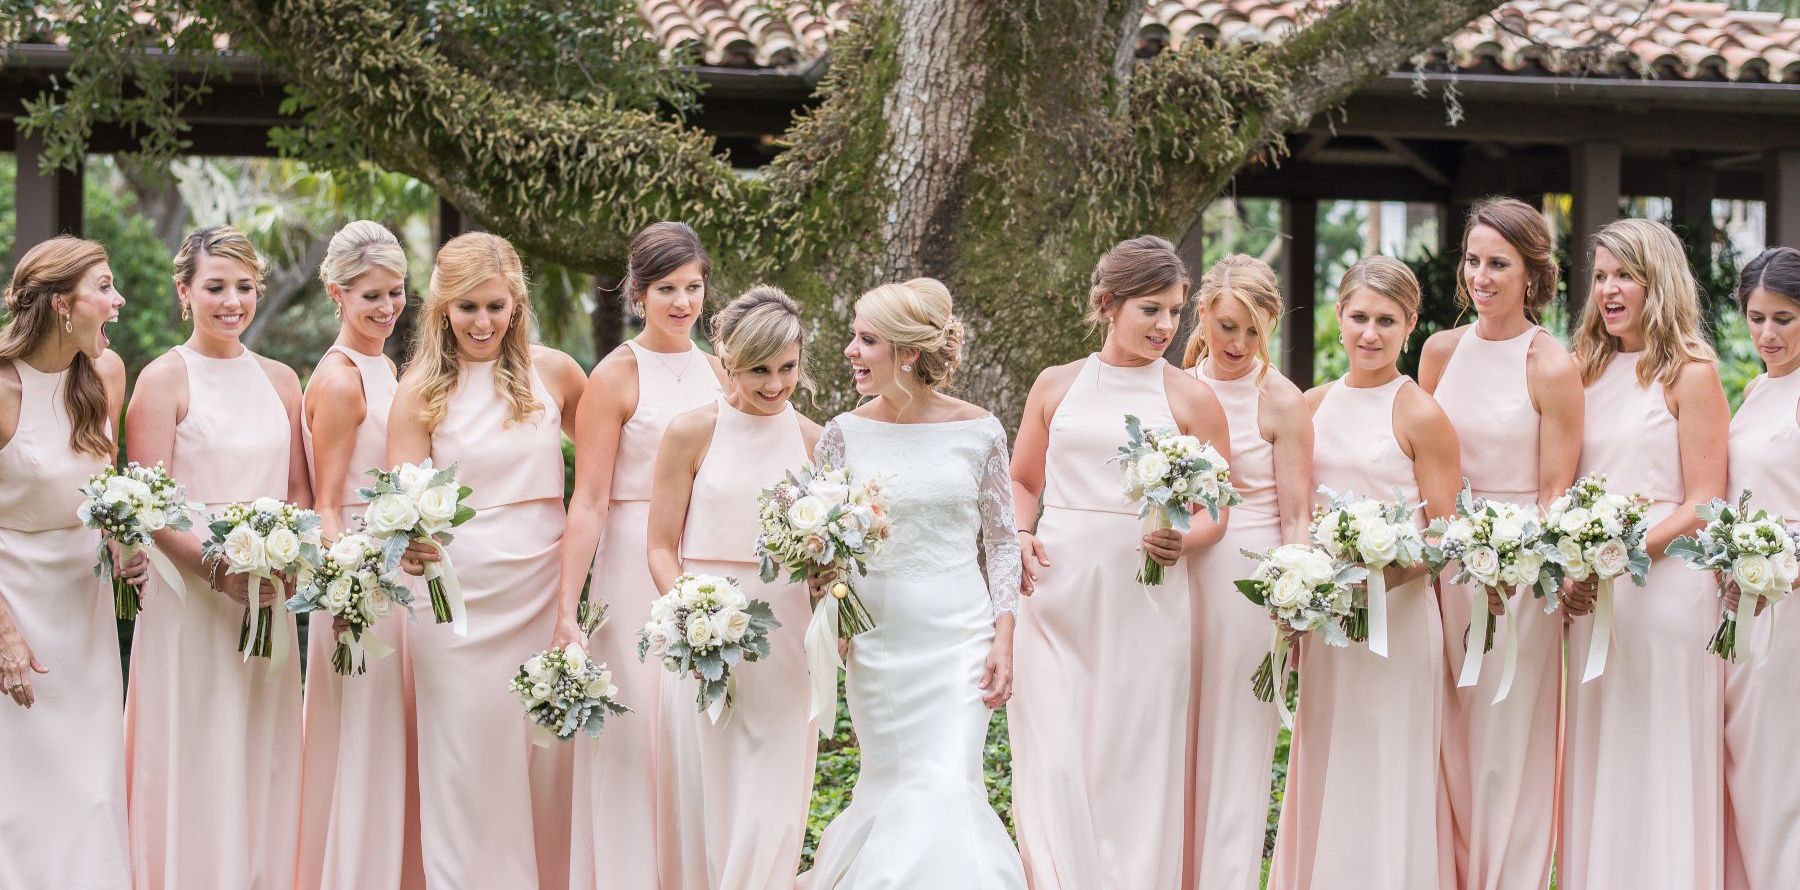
(1299, 279)
(1595, 169)
(1781, 197)
(450, 222)
(48, 204)
(1693, 199)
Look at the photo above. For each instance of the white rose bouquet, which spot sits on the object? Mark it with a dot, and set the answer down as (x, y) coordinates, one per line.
(352, 584)
(416, 502)
(1171, 473)
(127, 506)
(565, 692)
(1498, 545)
(1594, 533)
(1372, 534)
(1304, 589)
(1753, 549)
(705, 626)
(816, 519)
(264, 539)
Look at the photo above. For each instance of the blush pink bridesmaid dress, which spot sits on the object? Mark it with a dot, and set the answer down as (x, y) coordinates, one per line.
(615, 827)
(493, 808)
(1364, 806)
(62, 767)
(1101, 663)
(1762, 775)
(1233, 734)
(1500, 759)
(1643, 763)
(735, 794)
(212, 742)
(359, 792)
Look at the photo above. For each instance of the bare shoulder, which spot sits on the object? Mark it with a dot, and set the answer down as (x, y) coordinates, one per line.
(1698, 378)
(112, 372)
(693, 427)
(1058, 377)
(1280, 395)
(558, 368)
(1551, 363)
(1182, 383)
(286, 381)
(163, 372)
(959, 410)
(809, 427)
(1316, 396)
(336, 381)
(1418, 412)
(1438, 346)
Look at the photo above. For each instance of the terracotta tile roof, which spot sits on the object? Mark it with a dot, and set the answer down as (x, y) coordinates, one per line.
(1660, 38)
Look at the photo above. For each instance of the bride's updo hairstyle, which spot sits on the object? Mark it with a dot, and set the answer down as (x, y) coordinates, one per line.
(1135, 267)
(917, 314)
(757, 327)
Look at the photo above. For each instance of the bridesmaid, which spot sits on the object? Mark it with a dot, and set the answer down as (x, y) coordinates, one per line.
(1643, 766)
(477, 393)
(630, 398)
(359, 812)
(1362, 802)
(1513, 394)
(61, 761)
(212, 743)
(735, 794)
(1762, 780)
(1101, 660)
(1232, 735)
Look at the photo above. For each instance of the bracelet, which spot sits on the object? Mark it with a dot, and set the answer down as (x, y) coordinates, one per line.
(1026, 531)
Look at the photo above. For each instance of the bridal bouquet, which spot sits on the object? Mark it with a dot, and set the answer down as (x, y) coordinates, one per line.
(706, 626)
(128, 506)
(1494, 544)
(263, 539)
(1304, 589)
(416, 502)
(1753, 549)
(565, 692)
(1170, 473)
(1373, 534)
(1594, 533)
(352, 584)
(813, 520)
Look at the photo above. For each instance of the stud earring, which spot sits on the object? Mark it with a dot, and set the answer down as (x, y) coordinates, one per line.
(906, 368)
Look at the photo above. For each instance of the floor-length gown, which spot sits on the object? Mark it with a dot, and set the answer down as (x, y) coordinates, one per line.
(212, 741)
(1102, 662)
(919, 815)
(359, 790)
(1762, 774)
(1232, 734)
(62, 766)
(494, 809)
(734, 794)
(614, 839)
(1643, 766)
(1500, 759)
(1362, 810)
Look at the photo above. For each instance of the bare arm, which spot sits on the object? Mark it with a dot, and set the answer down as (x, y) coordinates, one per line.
(287, 385)
(1427, 437)
(1557, 393)
(408, 441)
(1199, 414)
(157, 405)
(683, 446)
(562, 375)
(1435, 357)
(607, 402)
(1288, 426)
(1702, 419)
(335, 407)
(1030, 449)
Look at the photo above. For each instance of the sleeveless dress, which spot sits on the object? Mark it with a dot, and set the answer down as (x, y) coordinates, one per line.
(62, 813)
(212, 742)
(735, 794)
(1500, 759)
(494, 809)
(1643, 763)
(1232, 735)
(359, 791)
(919, 816)
(614, 840)
(1101, 662)
(1762, 777)
(1363, 796)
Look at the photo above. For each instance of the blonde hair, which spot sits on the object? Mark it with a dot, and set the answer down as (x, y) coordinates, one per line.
(463, 264)
(1135, 267)
(359, 247)
(1385, 276)
(1251, 282)
(758, 326)
(220, 241)
(917, 314)
(1650, 255)
(56, 267)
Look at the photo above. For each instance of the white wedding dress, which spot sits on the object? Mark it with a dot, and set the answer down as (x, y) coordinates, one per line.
(919, 816)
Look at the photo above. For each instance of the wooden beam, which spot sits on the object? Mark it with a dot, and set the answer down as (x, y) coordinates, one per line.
(1595, 172)
(1412, 159)
(46, 204)
(1781, 198)
(1693, 213)
(1302, 179)
(1563, 122)
(1299, 280)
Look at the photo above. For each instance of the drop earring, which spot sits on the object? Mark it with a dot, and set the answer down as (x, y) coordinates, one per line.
(186, 312)
(637, 309)
(337, 309)
(68, 325)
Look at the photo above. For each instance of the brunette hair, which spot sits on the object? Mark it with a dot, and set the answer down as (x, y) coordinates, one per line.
(1526, 230)
(56, 267)
(1135, 267)
(656, 252)
(1776, 270)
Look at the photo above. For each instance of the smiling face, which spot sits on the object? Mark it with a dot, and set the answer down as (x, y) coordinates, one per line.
(1621, 300)
(873, 360)
(1493, 274)
(1143, 327)
(673, 302)
(371, 303)
(1774, 322)
(765, 388)
(88, 309)
(480, 318)
(1373, 329)
(1233, 339)
(221, 296)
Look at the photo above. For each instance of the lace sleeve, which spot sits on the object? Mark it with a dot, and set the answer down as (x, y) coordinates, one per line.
(999, 534)
(830, 449)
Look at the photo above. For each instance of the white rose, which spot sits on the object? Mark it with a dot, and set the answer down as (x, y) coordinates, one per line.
(265, 505)
(575, 658)
(438, 503)
(1288, 591)
(699, 630)
(1531, 564)
(1483, 563)
(540, 692)
(1315, 568)
(244, 550)
(732, 623)
(1610, 524)
(151, 519)
(124, 489)
(1209, 487)
(693, 593)
(1569, 551)
(337, 594)
(350, 550)
(1509, 576)
(829, 491)
(600, 686)
(1378, 544)
(1753, 574)
(807, 513)
(391, 513)
(1180, 486)
(1150, 469)
(1460, 530)
(413, 478)
(282, 547)
(537, 670)
(663, 609)
(1743, 535)
(1506, 530)
(1611, 559)
(1787, 567)
(1574, 520)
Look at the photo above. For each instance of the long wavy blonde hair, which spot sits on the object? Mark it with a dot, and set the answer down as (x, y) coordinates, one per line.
(56, 267)
(465, 262)
(1650, 255)
(1251, 282)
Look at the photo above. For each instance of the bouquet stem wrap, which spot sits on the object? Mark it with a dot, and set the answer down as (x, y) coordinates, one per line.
(1601, 642)
(447, 604)
(260, 635)
(822, 663)
(1151, 574)
(1506, 635)
(126, 602)
(353, 651)
(1278, 656)
(1378, 609)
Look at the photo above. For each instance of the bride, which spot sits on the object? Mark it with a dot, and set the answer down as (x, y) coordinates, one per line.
(921, 684)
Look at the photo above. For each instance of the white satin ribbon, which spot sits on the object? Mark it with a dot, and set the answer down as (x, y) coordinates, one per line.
(164, 568)
(1508, 638)
(1278, 653)
(541, 736)
(1477, 638)
(717, 710)
(1378, 623)
(1601, 641)
(371, 646)
(1759, 649)
(822, 663)
(278, 648)
(445, 573)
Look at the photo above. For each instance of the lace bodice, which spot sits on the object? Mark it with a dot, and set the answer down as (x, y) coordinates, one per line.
(948, 488)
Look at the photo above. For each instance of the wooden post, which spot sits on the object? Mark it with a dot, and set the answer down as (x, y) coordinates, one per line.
(1693, 214)
(1299, 281)
(1595, 169)
(1452, 215)
(48, 204)
(450, 222)
(1781, 197)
